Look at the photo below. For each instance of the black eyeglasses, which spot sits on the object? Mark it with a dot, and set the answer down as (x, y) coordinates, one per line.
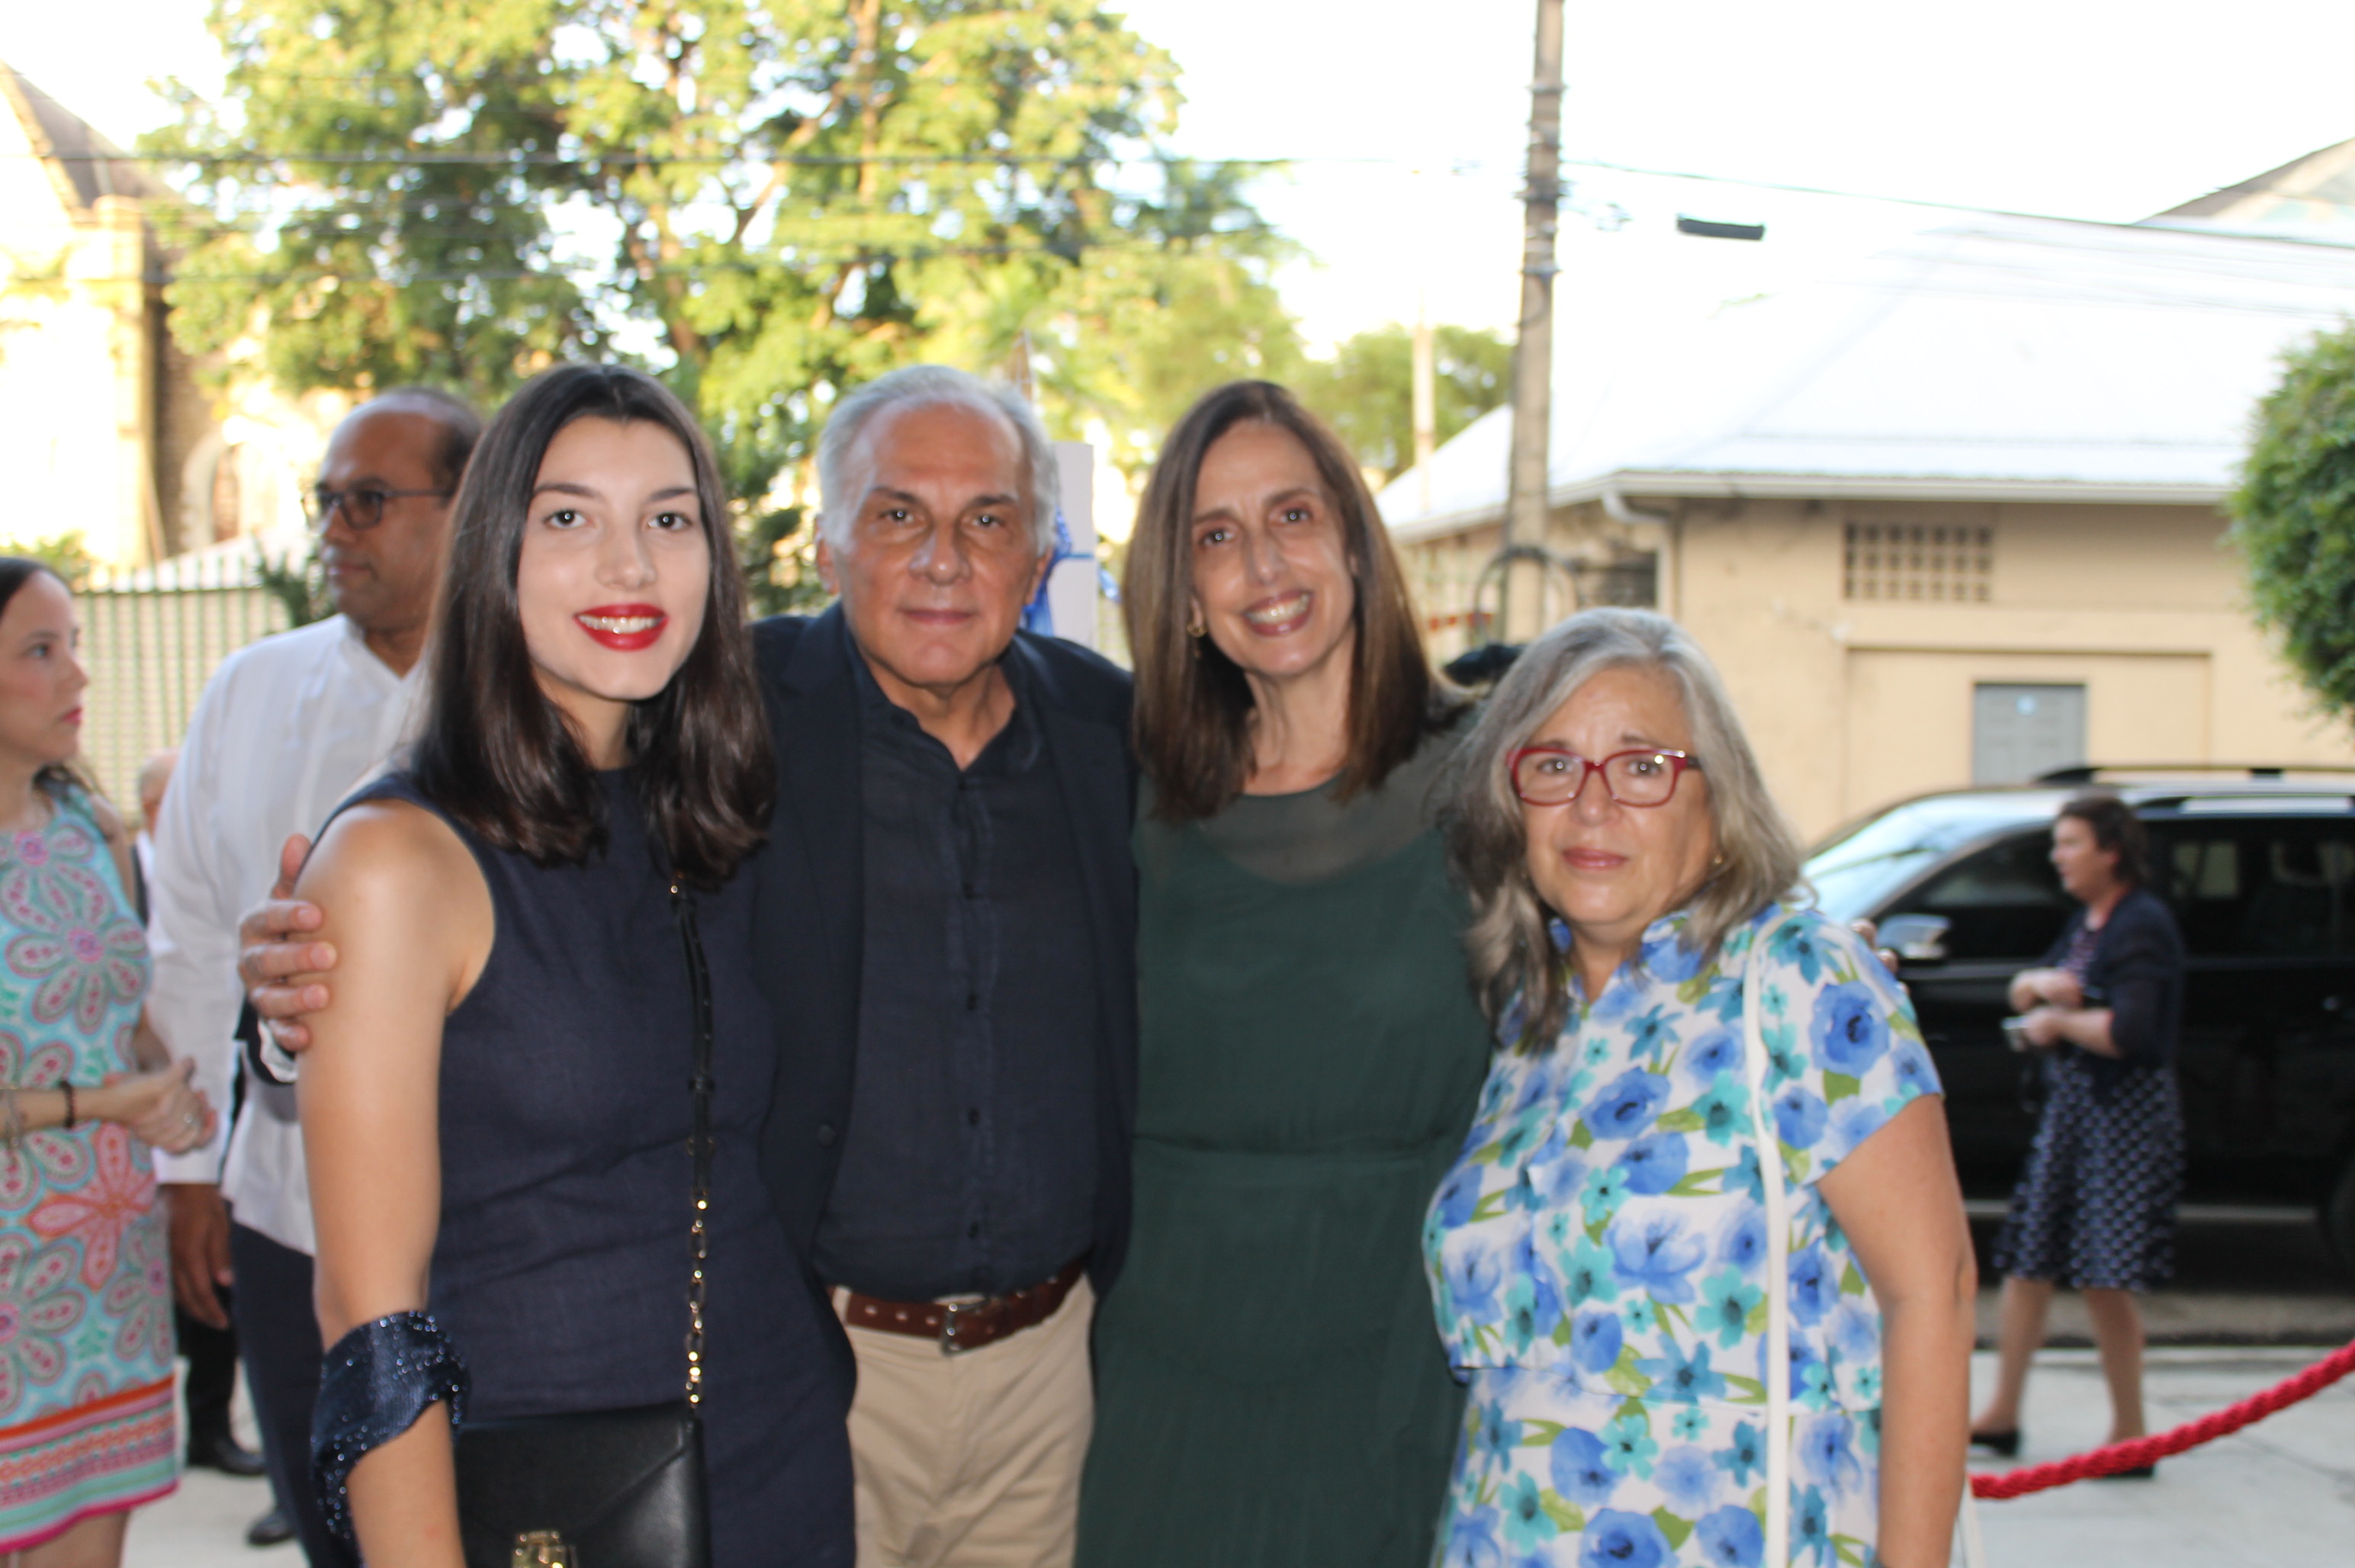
(363, 507)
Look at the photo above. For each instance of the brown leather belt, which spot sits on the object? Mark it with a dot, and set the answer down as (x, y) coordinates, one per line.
(961, 1325)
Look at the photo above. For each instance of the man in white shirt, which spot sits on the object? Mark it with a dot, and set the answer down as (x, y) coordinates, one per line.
(286, 729)
(211, 1350)
(154, 778)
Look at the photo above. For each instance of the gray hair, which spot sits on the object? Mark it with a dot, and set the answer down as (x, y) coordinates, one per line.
(930, 386)
(1511, 953)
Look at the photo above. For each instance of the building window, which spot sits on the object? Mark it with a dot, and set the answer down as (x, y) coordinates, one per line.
(1920, 563)
(2021, 731)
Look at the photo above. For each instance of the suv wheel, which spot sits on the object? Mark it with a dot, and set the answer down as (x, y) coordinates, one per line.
(2338, 1218)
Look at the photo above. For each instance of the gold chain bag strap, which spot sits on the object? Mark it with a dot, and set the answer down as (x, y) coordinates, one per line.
(607, 1488)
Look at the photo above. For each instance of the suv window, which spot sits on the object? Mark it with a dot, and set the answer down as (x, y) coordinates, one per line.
(2262, 889)
(2004, 903)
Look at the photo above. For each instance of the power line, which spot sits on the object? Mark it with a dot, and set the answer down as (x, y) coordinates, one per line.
(747, 159)
(701, 269)
(752, 161)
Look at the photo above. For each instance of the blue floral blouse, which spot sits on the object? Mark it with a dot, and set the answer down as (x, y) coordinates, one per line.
(1605, 1222)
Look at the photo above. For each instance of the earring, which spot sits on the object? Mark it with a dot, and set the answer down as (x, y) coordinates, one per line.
(1196, 627)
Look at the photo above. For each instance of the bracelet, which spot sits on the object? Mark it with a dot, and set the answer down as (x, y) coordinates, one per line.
(71, 1118)
(374, 1384)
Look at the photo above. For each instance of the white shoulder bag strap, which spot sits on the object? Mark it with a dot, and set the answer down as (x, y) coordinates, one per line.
(1778, 1279)
(1778, 1253)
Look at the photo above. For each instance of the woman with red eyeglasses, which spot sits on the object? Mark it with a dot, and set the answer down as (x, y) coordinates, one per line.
(1665, 1324)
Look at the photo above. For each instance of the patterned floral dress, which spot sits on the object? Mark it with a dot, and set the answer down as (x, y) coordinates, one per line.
(85, 1412)
(1597, 1259)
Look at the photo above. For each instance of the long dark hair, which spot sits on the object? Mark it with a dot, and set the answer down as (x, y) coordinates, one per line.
(2115, 827)
(1193, 703)
(495, 753)
(60, 779)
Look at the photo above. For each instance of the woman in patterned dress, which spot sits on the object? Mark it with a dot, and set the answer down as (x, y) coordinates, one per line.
(1598, 1253)
(86, 1412)
(2095, 1206)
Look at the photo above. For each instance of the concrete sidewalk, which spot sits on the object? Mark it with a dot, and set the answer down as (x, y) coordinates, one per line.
(2280, 1494)
(202, 1525)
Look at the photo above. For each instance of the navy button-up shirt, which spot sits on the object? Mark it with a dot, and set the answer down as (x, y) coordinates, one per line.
(969, 1164)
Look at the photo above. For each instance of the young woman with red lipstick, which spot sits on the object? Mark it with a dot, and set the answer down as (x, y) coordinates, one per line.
(536, 920)
(86, 1390)
(1268, 1389)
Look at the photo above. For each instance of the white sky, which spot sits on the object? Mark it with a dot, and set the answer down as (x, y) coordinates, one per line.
(2092, 108)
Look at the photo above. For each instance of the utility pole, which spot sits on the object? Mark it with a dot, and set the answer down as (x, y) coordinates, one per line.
(1525, 502)
(1424, 364)
(1426, 394)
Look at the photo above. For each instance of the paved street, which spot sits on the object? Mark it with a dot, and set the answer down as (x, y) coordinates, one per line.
(2242, 1277)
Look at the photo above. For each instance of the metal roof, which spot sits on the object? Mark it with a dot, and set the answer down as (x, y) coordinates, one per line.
(2311, 198)
(2000, 358)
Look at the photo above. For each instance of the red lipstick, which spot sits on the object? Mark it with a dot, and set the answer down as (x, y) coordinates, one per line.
(626, 628)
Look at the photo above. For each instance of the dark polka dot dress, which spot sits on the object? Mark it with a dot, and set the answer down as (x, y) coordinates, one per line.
(2096, 1206)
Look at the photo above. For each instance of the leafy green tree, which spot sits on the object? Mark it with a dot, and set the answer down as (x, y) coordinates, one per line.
(67, 554)
(1366, 390)
(2294, 516)
(766, 200)
(299, 583)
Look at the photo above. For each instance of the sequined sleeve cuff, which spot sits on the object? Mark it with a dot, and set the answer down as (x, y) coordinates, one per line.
(373, 1386)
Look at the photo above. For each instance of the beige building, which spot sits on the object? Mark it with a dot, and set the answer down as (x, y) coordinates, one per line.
(107, 430)
(1951, 517)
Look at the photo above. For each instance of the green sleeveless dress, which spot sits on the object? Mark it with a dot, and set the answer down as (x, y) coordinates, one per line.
(1270, 1387)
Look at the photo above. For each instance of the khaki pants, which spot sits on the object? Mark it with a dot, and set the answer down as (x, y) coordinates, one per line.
(972, 1461)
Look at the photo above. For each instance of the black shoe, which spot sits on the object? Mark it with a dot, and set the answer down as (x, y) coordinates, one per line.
(272, 1529)
(2007, 1443)
(2139, 1472)
(219, 1451)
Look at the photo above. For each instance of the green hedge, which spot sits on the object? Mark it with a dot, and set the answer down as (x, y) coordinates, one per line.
(2294, 516)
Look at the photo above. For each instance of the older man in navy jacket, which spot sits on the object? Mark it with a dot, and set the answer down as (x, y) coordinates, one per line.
(948, 906)
(947, 915)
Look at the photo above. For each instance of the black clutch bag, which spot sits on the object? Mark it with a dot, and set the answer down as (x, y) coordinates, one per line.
(607, 1488)
(612, 1489)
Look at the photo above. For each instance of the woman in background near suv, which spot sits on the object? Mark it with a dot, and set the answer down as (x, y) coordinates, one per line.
(2095, 1208)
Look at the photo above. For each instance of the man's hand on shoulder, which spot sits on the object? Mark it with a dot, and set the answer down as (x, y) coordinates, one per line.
(273, 950)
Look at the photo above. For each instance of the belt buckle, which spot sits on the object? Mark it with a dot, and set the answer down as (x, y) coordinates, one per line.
(949, 1320)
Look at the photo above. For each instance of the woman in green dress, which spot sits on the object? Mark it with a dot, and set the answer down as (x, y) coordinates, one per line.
(1269, 1387)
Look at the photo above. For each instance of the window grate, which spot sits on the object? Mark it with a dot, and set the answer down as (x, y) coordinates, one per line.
(1920, 563)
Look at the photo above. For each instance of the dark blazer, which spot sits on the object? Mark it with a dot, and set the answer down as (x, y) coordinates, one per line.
(2138, 973)
(809, 920)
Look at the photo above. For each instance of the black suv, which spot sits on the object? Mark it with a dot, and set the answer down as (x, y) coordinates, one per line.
(2260, 868)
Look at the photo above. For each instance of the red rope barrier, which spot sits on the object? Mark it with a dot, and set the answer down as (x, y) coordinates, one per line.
(2136, 1452)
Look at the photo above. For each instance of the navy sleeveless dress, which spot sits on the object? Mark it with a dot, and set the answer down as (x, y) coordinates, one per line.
(561, 1270)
